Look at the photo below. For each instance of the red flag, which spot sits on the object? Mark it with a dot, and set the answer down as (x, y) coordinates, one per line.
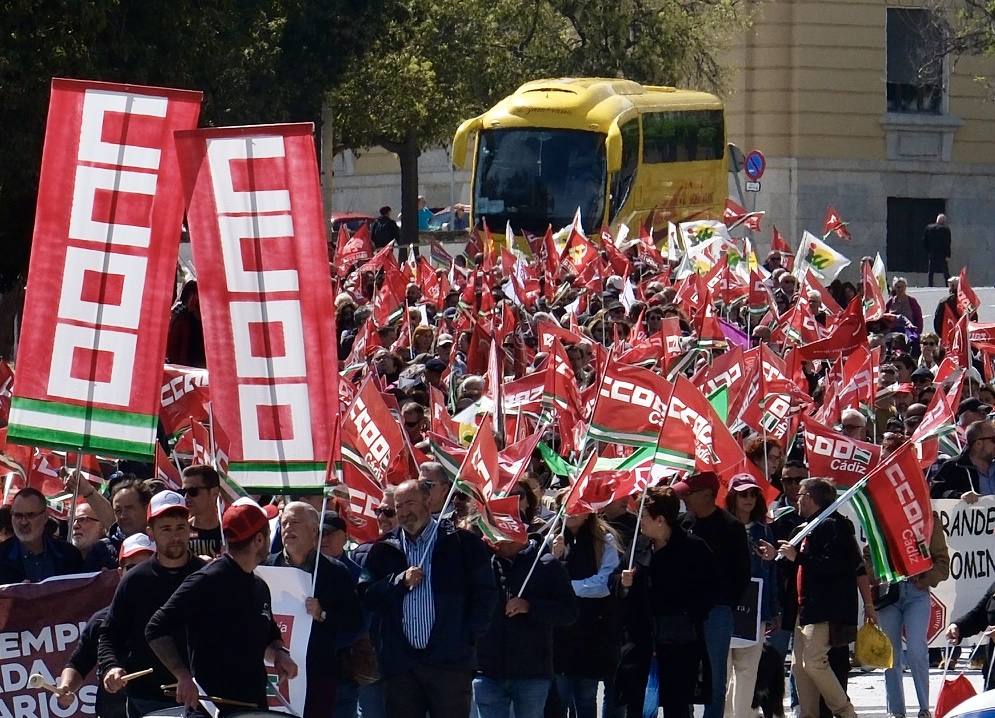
(365, 495)
(479, 473)
(900, 496)
(833, 223)
(630, 405)
(812, 282)
(577, 253)
(165, 470)
(735, 213)
(372, 439)
(184, 396)
(195, 443)
(849, 333)
(350, 251)
(779, 244)
(967, 299)
(834, 456)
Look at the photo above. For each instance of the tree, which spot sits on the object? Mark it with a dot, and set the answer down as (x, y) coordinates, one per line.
(956, 28)
(256, 61)
(437, 62)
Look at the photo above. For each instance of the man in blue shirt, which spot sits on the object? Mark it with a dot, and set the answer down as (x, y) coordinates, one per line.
(32, 555)
(433, 590)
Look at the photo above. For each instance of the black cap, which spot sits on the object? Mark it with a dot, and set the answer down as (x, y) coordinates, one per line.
(972, 404)
(334, 522)
(435, 364)
(922, 373)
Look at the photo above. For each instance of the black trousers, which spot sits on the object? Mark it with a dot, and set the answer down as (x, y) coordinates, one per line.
(439, 692)
(938, 264)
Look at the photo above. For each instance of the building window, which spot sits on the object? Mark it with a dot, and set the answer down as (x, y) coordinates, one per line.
(907, 220)
(915, 62)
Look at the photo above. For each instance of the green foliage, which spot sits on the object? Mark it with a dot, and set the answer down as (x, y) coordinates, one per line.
(256, 61)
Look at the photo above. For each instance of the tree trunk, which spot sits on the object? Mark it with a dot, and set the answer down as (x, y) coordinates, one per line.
(407, 155)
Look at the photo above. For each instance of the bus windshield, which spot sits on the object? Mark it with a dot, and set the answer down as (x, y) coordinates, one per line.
(535, 177)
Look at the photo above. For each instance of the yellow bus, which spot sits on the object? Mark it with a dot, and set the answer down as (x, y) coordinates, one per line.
(614, 148)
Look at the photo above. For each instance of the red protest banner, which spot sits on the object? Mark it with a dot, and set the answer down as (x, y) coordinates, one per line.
(184, 397)
(41, 627)
(258, 235)
(103, 259)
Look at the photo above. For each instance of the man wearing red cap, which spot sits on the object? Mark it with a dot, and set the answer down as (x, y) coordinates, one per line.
(142, 591)
(226, 612)
(727, 538)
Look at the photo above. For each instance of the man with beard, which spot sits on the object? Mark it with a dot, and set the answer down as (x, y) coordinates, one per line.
(225, 610)
(142, 591)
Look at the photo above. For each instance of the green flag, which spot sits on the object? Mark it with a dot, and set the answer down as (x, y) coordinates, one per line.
(556, 463)
(719, 399)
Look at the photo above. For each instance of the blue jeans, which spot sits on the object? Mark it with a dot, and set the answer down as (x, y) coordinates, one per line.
(911, 612)
(371, 701)
(496, 698)
(578, 696)
(718, 634)
(346, 695)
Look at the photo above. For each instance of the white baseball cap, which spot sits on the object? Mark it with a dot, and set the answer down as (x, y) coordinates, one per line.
(135, 544)
(167, 501)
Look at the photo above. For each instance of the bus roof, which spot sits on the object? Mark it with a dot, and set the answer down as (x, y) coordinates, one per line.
(588, 103)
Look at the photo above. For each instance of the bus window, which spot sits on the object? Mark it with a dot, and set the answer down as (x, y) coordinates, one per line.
(622, 181)
(683, 136)
(531, 177)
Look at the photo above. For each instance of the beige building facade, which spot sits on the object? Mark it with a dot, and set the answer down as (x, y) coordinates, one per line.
(834, 94)
(831, 91)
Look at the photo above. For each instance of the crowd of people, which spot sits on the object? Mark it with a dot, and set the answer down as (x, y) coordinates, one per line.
(619, 611)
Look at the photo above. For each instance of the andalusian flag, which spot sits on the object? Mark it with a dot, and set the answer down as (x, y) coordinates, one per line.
(824, 261)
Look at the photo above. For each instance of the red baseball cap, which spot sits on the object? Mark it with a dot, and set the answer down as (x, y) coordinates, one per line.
(743, 482)
(136, 544)
(697, 482)
(241, 522)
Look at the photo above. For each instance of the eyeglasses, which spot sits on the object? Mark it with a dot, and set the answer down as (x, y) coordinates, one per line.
(928, 344)
(193, 491)
(26, 515)
(389, 513)
(79, 519)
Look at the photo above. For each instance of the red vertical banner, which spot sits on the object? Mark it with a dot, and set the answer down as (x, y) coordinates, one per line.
(258, 235)
(103, 260)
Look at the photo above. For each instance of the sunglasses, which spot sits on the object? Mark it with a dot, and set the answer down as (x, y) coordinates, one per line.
(193, 491)
(928, 344)
(389, 513)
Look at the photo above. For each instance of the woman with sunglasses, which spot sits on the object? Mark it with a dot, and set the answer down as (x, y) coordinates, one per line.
(746, 502)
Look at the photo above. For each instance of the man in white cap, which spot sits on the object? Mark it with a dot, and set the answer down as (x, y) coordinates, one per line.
(225, 611)
(142, 591)
(136, 549)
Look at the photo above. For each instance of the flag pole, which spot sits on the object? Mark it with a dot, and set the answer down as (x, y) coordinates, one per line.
(542, 547)
(826, 513)
(435, 529)
(639, 518)
(79, 477)
(321, 531)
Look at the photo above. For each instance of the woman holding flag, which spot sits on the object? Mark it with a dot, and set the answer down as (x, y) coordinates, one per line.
(666, 596)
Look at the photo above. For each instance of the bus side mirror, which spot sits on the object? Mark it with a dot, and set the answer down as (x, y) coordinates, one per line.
(613, 148)
(462, 139)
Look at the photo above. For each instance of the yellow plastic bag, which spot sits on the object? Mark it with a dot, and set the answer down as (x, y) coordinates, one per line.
(874, 647)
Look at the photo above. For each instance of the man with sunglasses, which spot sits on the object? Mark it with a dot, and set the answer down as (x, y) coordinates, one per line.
(971, 474)
(201, 488)
(32, 555)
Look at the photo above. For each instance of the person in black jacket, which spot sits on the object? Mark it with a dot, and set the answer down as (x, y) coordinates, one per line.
(135, 550)
(961, 476)
(727, 538)
(122, 646)
(226, 613)
(980, 619)
(32, 555)
(334, 608)
(827, 582)
(515, 656)
(431, 586)
(936, 239)
(384, 229)
(667, 597)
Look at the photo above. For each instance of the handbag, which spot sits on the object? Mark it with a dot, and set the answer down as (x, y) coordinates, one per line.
(673, 630)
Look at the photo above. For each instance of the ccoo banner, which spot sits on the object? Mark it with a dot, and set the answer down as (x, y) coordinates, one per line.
(258, 236)
(103, 260)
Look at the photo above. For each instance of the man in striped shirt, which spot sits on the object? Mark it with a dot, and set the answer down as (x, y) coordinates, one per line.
(433, 590)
